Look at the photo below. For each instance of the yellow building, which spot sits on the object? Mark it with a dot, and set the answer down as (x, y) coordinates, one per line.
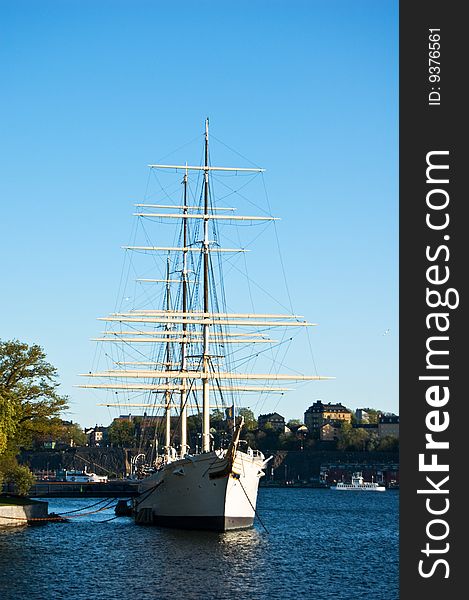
(318, 414)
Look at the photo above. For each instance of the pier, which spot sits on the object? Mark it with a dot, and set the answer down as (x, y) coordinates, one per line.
(119, 488)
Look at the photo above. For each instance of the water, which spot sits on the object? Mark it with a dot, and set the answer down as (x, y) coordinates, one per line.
(320, 544)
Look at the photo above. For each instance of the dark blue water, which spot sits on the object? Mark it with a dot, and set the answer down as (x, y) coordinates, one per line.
(320, 544)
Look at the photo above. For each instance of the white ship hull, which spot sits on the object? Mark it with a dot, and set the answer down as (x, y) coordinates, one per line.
(202, 492)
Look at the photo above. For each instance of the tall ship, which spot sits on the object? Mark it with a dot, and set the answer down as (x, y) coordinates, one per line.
(187, 356)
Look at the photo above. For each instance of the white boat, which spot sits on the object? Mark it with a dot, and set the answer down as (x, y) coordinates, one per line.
(358, 484)
(185, 360)
(84, 477)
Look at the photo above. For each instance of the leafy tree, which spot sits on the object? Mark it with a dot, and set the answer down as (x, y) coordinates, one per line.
(310, 442)
(373, 441)
(62, 432)
(217, 420)
(351, 438)
(21, 477)
(194, 423)
(388, 443)
(29, 403)
(28, 393)
(71, 433)
(294, 423)
(250, 422)
(7, 422)
(251, 439)
(121, 433)
(267, 440)
(288, 441)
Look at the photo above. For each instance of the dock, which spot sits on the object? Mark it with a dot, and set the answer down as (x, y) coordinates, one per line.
(119, 488)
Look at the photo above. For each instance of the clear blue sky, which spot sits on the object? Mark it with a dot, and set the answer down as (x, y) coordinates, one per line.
(93, 91)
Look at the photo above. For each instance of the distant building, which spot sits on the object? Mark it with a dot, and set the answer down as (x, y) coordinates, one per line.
(144, 419)
(329, 432)
(97, 436)
(388, 425)
(298, 428)
(362, 415)
(318, 414)
(276, 421)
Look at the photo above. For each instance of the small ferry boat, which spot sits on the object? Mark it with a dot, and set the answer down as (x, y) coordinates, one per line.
(84, 477)
(359, 484)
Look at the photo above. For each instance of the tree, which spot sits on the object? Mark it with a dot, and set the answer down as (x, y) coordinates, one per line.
(389, 443)
(29, 404)
(217, 420)
(352, 438)
(288, 441)
(121, 433)
(73, 434)
(21, 477)
(28, 394)
(62, 432)
(7, 422)
(250, 422)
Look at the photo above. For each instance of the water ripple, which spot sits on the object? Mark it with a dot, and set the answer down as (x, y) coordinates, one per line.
(333, 545)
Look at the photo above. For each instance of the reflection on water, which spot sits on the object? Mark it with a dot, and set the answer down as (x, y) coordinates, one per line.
(341, 546)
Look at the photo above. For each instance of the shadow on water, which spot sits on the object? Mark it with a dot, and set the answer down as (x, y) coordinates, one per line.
(318, 543)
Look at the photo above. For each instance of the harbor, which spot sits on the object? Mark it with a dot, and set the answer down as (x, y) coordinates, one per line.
(199, 344)
(307, 530)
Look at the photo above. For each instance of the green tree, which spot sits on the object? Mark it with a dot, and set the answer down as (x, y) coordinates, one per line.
(267, 439)
(288, 441)
(73, 434)
(29, 403)
(217, 420)
(121, 433)
(352, 438)
(21, 477)
(57, 430)
(250, 422)
(388, 443)
(28, 393)
(7, 422)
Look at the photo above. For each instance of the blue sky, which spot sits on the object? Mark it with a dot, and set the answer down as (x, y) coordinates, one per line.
(94, 91)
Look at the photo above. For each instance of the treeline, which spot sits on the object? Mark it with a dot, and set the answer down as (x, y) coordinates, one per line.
(349, 438)
(140, 433)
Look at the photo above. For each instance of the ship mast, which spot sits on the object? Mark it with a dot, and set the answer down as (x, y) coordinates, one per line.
(137, 378)
(183, 408)
(168, 362)
(206, 325)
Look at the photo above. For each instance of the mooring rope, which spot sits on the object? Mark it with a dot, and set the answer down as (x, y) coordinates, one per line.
(59, 517)
(253, 507)
(85, 507)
